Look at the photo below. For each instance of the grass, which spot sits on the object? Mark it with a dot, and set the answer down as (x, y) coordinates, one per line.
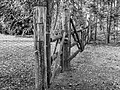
(16, 64)
(97, 68)
(17, 69)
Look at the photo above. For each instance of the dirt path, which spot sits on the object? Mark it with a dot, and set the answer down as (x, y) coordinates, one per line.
(97, 68)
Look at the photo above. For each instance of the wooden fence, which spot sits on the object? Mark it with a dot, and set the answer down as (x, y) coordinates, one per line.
(48, 63)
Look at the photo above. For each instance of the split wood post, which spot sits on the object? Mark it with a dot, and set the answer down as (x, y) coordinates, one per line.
(40, 47)
(62, 61)
(67, 41)
(48, 45)
(62, 55)
(36, 54)
(65, 55)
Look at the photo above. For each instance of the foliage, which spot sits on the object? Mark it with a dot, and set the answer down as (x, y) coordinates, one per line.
(14, 11)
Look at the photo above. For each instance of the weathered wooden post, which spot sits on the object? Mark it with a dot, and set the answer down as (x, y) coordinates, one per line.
(67, 41)
(65, 55)
(48, 45)
(41, 82)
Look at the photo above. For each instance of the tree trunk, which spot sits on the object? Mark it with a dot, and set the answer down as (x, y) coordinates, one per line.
(95, 38)
(109, 24)
(108, 31)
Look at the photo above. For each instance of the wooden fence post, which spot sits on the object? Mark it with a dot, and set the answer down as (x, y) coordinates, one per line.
(67, 41)
(65, 55)
(40, 47)
(48, 45)
(36, 54)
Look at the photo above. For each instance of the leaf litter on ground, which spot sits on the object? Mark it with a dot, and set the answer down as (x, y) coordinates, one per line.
(96, 68)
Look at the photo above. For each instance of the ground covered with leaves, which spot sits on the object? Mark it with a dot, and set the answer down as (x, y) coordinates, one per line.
(97, 68)
(16, 63)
